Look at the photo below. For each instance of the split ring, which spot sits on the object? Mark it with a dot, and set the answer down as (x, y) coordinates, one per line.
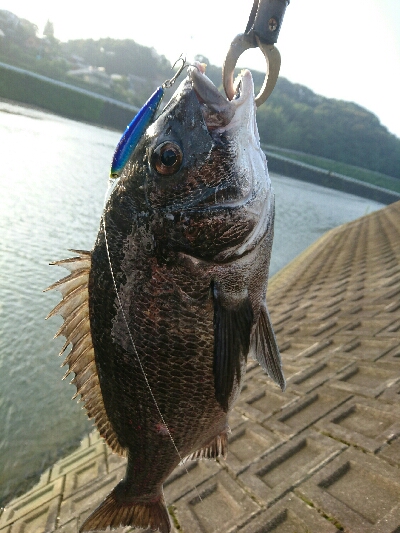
(273, 58)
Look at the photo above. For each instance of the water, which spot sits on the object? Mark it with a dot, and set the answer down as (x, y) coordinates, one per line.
(53, 177)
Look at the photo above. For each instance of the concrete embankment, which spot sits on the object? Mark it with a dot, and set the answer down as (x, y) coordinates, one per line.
(80, 104)
(304, 172)
(66, 100)
(322, 457)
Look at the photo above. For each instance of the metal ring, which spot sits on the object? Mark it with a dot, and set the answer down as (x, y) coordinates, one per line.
(273, 58)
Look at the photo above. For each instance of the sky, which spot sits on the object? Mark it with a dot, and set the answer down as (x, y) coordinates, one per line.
(343, 49)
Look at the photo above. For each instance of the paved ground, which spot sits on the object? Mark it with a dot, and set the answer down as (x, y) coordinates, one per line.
(322, 457)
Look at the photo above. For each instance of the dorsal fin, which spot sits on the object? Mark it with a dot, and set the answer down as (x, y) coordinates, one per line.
(74, 308)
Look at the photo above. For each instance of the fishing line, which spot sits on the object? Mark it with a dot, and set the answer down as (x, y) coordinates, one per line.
(112, 185)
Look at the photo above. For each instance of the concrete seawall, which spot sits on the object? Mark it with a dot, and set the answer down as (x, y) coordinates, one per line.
(322, 457)
(67, 100)
(81, 104)
(301, 171)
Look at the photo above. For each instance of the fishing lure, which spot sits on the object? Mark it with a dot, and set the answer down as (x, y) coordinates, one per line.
(139, 124)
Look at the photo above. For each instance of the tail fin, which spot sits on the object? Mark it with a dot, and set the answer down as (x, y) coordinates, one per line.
(149, 514)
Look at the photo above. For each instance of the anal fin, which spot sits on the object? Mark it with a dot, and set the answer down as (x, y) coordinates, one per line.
(218, 447)
(264, 348)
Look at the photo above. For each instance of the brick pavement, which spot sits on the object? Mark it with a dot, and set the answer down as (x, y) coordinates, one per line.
(324, 456)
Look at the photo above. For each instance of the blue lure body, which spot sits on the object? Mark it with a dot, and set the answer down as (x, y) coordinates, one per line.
(134, 132)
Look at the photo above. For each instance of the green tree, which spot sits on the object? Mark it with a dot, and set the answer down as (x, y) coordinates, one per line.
(49, 30)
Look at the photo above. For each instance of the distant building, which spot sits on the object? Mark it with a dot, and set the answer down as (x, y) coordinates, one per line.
(92, 75)
(137, 83)
(78, 61)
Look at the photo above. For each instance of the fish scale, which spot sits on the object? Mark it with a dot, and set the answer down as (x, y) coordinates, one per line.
(153, 333)
(174, 291)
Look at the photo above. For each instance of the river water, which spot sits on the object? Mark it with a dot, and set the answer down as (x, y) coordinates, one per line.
(53, 177)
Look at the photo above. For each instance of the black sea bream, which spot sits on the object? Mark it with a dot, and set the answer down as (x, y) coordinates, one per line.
(160, 356)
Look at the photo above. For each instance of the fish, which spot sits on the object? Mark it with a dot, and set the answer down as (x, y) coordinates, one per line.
(165, 310)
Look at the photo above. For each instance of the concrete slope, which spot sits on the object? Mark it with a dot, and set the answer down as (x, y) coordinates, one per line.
(322, 457)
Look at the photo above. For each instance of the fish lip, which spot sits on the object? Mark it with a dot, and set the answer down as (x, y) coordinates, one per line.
(218, 112)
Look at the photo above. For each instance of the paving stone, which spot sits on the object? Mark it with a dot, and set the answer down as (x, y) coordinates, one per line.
(391, 452)
(374, 326)
(358, 490)
(85, 500)
(223, 505)
(316, 375)
(115, 461)
(41, 518)
(236, 418)
(392, 355)
(69, 527)
(247, 444)
(363, 422)
(94, 437)
(368, 348)
(31, 501)
(305, 412)
(336, 311)
(391, 330)
(388, 295)
(316, 328)
(363, 309)
(290, 369)
(259, 401)
(364, 379)
(296, 350)
(188, 476)
(392, 393)
(95, 454)
(272, 477)
(84, 472)
(290, 515)
(85, 442)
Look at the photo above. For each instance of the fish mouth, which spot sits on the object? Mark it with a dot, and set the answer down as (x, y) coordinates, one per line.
(218, 112)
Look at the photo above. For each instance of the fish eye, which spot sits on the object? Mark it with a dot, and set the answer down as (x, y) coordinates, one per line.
(166, 159)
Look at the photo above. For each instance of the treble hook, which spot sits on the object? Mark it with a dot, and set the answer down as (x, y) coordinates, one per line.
(169, 83)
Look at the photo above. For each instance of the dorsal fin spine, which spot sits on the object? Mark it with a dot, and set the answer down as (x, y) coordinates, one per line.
(74, 308)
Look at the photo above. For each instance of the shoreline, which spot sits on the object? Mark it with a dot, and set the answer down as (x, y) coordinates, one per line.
(63, 99)
(276, 163)
(40, 109)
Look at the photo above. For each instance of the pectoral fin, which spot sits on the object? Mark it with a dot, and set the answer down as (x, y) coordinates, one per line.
(232, 328)
(265, 348)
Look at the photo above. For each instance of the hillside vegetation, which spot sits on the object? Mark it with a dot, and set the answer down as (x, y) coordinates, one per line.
(293, 117)
(337, 167)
